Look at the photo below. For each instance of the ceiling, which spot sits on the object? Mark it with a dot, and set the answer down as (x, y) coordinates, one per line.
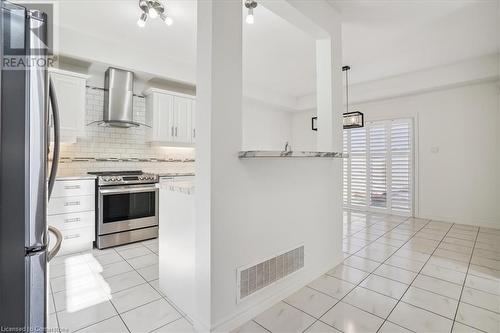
(380, 38)
(386, 38)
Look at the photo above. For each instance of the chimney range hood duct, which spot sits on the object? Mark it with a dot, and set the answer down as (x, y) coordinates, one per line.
(118, 98)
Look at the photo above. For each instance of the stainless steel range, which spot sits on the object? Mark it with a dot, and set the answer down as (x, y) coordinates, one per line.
(127, 207)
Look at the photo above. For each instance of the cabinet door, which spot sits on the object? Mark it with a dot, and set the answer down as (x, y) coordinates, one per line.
(70, 92)
(193, 121)
(182, 118)
(164, 122)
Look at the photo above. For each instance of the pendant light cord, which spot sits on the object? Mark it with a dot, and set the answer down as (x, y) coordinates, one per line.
(347, 90)
(346, 70)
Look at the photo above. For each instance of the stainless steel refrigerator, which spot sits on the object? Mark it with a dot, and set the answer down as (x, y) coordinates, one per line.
(26, 177)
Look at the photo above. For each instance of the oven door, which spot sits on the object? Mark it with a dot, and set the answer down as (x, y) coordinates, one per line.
(122, 208)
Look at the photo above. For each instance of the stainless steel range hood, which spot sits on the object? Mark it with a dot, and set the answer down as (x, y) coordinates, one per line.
(118, 98)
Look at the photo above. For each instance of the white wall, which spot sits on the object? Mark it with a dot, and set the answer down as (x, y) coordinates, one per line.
(460, 182)
(303, 137)
(265, 127)
(250, 210)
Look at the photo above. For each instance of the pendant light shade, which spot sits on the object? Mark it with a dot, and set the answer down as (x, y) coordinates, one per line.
(353, 119)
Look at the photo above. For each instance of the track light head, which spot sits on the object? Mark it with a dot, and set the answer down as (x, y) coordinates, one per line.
(250, 4)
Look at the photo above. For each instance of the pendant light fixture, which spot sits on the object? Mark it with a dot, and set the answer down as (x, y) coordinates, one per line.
(152, 9)
(353, 119)
(250, 4)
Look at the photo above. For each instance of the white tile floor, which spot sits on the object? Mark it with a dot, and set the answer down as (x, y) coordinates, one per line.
(114, 290)
(399, 275)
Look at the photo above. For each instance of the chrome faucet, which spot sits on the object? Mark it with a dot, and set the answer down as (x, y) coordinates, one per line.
(287, 151)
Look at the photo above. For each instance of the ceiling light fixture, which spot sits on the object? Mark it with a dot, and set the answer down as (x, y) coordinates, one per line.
(353, 119)
(153, 9)
(141, 22)
(250, 4)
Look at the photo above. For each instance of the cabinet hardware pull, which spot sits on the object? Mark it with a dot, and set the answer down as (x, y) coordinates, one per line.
(175, 130)
(76, 219)
(71, 187)
(72, 203)
(194, 133)
(172, 131)
(72, 236)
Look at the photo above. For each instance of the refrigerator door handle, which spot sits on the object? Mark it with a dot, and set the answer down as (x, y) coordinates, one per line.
(57, 139)
(52, 253)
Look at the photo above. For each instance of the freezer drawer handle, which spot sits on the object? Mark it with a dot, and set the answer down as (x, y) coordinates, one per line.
(71, 187)
(51, 254)
(73, 220)
(72, 203)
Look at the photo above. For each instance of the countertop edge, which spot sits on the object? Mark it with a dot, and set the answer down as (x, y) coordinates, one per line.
(173, 175)
(77, 177)
(290, 154)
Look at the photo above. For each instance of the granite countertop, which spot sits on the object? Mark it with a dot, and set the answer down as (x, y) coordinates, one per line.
(290, 154)
(176, 174)
(76, 177)
(185, 187)
(87, 176)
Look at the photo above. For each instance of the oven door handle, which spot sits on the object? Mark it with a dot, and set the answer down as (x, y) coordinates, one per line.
(128, 190)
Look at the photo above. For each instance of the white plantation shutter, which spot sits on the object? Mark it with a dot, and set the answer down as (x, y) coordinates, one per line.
(358, 177)
(378, 173)
(401, 162)
(346, 169)
(378, 166)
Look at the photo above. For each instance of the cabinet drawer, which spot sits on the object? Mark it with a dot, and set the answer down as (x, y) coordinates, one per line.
(76, 240)
(71, 204)
(78, 235)
(69, 188)
(72, 220)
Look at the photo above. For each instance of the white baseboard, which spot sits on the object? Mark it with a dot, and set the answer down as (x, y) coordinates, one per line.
(234, 321)
(475, 223)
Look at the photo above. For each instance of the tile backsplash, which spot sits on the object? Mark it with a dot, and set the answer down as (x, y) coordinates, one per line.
(101, 142)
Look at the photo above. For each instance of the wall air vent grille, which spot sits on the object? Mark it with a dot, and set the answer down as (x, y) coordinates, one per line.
(256, 277)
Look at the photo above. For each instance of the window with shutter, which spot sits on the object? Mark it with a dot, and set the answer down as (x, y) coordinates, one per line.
(378, 173)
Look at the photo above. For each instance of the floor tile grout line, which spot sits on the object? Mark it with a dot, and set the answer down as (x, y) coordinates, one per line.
(162, 296)
(145, 282)
(260, 325)
(170, 322)
(451, 226)
(95, 323)
(358, 284)
(465, 280)
(355, 285)
(119, 315)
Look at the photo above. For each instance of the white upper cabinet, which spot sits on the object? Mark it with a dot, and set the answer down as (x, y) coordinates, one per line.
(70, 91)
(170, 117)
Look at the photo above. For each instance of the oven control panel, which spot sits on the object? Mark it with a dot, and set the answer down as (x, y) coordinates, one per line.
(128, 179)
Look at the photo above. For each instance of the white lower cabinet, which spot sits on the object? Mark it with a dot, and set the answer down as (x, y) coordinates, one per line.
(170, 117)
(72, 210)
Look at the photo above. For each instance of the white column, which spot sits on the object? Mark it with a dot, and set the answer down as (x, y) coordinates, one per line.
(219, 132)
(329, 93)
